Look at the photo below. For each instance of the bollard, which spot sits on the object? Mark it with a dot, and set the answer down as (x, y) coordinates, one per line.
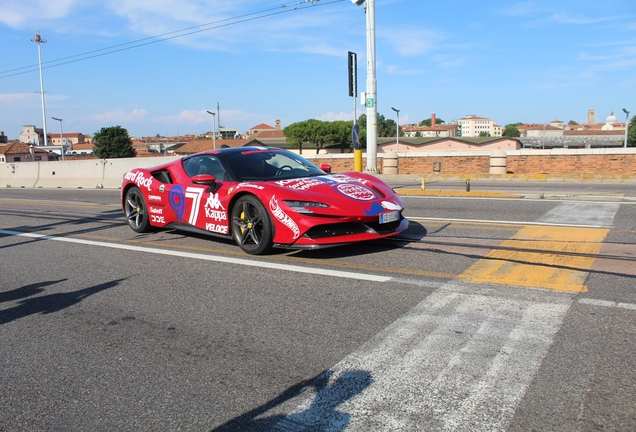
(423, 184)
(467, 185)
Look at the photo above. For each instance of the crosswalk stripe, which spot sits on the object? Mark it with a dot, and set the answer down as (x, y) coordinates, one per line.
(460, 360)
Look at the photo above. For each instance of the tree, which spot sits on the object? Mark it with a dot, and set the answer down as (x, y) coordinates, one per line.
(511, 131)
(313, 132)
(429, 121)
(386, 128)
(113, 142)
(631, 133)
(484, 134)
(572, 122)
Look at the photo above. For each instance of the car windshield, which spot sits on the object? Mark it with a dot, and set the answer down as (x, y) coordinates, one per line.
(270, 164)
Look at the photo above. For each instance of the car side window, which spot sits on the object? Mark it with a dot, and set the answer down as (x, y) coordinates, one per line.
(162, 176)
(204, 164)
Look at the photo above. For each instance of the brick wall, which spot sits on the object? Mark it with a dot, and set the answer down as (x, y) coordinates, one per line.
(521, 163)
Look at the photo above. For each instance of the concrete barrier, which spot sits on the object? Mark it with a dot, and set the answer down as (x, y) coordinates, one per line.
(619, 164)
(88, 174)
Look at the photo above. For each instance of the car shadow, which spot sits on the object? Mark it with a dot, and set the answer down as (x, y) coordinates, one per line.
(322, 413)
(47, 304)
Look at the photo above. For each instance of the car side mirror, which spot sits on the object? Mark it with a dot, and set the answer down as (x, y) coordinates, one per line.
(205, 179)
(326, 168)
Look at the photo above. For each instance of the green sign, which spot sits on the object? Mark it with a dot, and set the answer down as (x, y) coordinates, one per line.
(370, 103)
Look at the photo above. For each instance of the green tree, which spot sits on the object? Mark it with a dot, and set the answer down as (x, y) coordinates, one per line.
(572, 122)
(484, 134)
(113, 142)
(428, 122)
(312, 132)
(386, 128)
(511, 131)
(631, 133)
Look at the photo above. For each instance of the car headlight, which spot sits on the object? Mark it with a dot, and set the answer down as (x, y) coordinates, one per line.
(305, 207)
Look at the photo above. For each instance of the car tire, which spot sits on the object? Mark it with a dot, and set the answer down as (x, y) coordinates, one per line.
(137, 211)
(252, 227)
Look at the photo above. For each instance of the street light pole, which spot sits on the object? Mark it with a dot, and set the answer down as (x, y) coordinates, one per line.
(38, 40)
(371, 93)
(626, 111)
(213, 127)
(543, 138)
(397, 130)
(61, 136)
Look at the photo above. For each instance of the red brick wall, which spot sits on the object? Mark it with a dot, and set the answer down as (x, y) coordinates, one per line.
(575, 164)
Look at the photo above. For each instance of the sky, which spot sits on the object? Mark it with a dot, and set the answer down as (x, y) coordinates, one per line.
(157, 66)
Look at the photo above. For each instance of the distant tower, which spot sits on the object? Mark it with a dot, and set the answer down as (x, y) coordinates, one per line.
(591, 117)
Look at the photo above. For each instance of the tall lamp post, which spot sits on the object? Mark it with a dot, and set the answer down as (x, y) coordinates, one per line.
(371, 92)
(397, 130)
(38, 40)
(626, 111)
(61, 136)
(543, 137)
(213, 127)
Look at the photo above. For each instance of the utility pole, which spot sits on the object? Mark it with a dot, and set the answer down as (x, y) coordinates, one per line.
(371, 93)
(213, 114)
(38, 40)
(61, 136)
(397, 130)
(626, 111)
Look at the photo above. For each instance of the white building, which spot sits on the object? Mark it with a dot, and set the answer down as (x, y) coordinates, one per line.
(474, 126)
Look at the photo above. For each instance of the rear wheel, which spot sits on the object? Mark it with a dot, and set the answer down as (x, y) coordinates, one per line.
(251, 226)
(136, 211)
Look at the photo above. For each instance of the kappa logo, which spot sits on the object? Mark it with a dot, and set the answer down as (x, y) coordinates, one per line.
(214, 209)
(214, 203)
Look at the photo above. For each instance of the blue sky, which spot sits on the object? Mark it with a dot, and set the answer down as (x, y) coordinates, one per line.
(529, 61)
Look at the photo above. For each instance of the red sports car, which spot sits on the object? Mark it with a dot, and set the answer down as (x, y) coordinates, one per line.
(262, 197)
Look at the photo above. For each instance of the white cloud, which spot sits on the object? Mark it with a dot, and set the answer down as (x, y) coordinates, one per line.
(118, 116)
(339, 116)
(17, 13)
(566, 19)
(413, 42)
(520, 9)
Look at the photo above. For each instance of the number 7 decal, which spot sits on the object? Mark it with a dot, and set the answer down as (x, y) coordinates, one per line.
(196, 194)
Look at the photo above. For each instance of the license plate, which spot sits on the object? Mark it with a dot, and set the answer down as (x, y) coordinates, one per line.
(389, 217)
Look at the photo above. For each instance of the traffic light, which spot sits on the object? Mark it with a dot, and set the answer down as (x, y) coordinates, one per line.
(353, 73)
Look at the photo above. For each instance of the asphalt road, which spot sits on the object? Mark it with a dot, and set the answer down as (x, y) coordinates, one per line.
(488, 314)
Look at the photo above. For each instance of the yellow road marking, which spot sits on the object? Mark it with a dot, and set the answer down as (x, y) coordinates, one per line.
(541, 270)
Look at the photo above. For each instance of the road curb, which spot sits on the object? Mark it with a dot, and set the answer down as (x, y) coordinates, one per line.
(456, 193)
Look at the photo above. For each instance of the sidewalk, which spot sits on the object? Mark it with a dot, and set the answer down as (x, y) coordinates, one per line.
(541, 186)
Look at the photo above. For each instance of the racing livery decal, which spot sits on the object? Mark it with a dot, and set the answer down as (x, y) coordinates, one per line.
(215, 210)
(138, 178)
(283, 217)
(300, 184)
(356, 191)
(376, 208)
(177, 201)
(249, 185)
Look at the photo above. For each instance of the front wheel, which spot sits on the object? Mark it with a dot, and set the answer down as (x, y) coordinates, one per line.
(136, 211)
(251, 226)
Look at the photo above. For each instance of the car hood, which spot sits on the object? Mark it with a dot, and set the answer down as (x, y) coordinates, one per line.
(342, 191)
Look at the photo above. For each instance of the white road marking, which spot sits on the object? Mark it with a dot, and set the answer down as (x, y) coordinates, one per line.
(460, 360)
(501, 222)
(607, 303)
(229, 260)
(587, 213)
